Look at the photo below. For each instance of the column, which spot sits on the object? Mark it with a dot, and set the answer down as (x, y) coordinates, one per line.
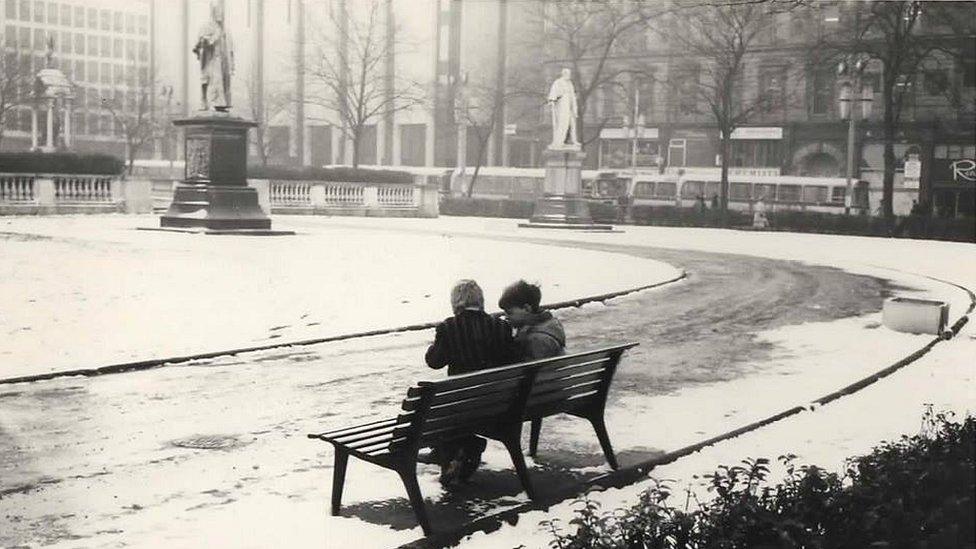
(67, 123)
(33, 127)
(50, 123)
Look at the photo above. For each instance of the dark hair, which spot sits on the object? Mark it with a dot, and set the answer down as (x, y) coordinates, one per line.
(521, 294)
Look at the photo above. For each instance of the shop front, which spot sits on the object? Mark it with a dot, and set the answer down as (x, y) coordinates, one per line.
(953, 181)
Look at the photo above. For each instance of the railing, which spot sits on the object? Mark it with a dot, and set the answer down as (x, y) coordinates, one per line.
(17, 188)
(344, 194)
(397, 196)
(349, 198)
(291, 193)
(39, 193)
(83, 189)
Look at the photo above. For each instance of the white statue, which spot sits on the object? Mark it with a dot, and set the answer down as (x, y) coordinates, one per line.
(215, 51)
(562, 97)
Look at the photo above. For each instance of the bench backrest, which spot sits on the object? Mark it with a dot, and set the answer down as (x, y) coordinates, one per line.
(459, 404)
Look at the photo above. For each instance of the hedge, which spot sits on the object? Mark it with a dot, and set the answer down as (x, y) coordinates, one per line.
(955, 229)
(917, 492)
(310, 173)
(486, 207)
(60, 162)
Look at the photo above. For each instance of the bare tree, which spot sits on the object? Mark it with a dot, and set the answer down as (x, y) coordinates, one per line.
(133, 113)
(16, 78)
(586, 36)
(479, 110)
(348, 70)
(888, 33)
(718, 42)
(274, 101)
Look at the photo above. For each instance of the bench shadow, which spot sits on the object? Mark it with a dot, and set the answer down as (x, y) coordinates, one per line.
(555, 473)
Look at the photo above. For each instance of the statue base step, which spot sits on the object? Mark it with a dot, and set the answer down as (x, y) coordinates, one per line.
(215, 208)
(561, 209)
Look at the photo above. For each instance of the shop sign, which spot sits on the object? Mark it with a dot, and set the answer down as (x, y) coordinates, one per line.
(913, 168)
(628, 133)
(963, 170)
(757, 133)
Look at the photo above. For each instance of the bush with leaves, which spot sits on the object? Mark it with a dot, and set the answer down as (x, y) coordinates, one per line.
(917, 492)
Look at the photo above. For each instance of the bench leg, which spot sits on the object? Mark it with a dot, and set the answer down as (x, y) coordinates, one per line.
(601, 433)
(535, 429)
(338, 479)
(514, 447)
(409, 477)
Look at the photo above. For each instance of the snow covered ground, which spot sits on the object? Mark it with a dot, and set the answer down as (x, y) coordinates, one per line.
(85, 291)
(809, 360)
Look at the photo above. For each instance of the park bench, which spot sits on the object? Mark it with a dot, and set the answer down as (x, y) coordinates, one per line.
(492, 403)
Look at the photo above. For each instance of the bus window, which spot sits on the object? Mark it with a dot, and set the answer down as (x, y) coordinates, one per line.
(815, 194)
(764, 192)
(788, 193)
(644, 189)
(838, 194)
(740, 191)
(713, 188)
(666, 190)
(692, 189)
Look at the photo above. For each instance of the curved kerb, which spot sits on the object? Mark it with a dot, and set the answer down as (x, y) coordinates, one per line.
(160, 362)
(638, 472)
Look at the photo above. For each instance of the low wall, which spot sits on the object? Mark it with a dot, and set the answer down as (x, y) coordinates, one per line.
(51, 194)
(419, 199)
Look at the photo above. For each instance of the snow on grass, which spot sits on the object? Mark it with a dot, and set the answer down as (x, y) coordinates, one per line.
(84, 291)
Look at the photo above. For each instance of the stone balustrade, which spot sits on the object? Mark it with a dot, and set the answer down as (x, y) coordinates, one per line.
(419, 199)
(33, 194)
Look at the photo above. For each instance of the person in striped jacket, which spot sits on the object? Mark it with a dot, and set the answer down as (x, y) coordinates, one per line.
(468, 341)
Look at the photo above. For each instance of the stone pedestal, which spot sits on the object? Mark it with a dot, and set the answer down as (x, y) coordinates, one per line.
(562, 207)
(214, 195)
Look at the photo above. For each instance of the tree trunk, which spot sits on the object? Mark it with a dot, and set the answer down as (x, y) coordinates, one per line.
(482, 145)
(355, 149)
(724, 179)
(888, 184)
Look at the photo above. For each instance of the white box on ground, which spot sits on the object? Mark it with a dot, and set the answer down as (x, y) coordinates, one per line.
(916, 316)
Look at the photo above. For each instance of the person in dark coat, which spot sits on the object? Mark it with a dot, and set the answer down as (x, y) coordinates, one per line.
(469, 341)
(539, 334)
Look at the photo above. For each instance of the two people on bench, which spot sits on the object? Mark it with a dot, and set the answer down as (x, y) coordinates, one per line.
(473, 340)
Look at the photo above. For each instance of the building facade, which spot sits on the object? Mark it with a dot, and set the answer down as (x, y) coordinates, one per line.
(102, 46)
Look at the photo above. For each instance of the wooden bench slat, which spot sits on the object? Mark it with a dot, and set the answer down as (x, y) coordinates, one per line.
(460, 407)
(467, 415)
(567, 394)
(584, 367)
(506, 385)
(455, 395)
(565, 386)
(555, 384)
(349, 439)
(362, 426)
(504, 372)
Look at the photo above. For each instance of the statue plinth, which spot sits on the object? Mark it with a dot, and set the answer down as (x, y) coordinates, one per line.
(214, 195)
(561, 206)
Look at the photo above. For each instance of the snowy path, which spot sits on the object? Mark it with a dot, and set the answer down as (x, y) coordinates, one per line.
(84, 291)
(106, 463)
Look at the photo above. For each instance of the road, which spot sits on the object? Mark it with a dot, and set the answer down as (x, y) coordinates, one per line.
(99, 458)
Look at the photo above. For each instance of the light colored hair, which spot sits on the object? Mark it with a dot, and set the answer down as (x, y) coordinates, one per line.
(467, 294)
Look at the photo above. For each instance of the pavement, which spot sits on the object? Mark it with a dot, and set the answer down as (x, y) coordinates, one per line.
(215, 450)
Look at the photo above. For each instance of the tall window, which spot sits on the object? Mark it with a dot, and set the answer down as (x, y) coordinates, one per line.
(686, 80)
(822, 90)
(772, 89)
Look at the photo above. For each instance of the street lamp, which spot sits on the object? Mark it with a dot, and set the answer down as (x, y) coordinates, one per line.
(851, 91)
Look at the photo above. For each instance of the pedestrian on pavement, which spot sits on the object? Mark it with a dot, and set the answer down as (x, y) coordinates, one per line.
(538, 333)
(466, 342)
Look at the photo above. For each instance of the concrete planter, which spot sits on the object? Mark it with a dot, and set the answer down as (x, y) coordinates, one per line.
(915, 316)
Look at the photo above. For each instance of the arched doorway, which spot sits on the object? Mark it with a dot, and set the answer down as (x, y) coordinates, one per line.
(819, 164)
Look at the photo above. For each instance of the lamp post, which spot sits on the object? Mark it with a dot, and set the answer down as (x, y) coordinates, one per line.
(852, 91)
